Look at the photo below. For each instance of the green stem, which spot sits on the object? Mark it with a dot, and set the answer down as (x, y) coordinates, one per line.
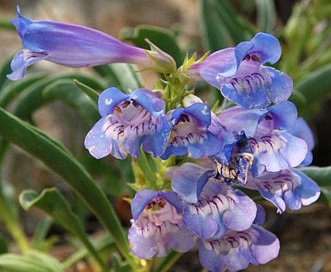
(168, 261)
(13, 223)
(146, 168)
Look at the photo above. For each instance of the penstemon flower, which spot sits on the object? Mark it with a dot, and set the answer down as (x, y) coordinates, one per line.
(157, 225)
(128, 122)
(75, 46)
(268, 133)
(206, 160)
(287, 188)
(241, 76)
(190, 135)
(219, 209)
(237, 249)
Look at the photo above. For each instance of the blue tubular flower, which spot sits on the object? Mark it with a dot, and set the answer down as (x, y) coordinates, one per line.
(157, 225)
(237, 249)
(190, 134)
(290, 188)
(128, 122)
(269, 135)
(73, 46)
(241, 76)
(212, 208)
(219, 209)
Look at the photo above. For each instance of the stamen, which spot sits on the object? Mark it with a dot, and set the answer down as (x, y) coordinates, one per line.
(124, 104)
(256, 58)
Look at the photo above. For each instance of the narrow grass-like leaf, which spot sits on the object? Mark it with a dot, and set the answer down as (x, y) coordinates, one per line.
(59, 159)
(220, 25)
(123, 76)
(11, 91)
(34, 261)
(214, 35)
(67, 91)
(93, 94)
(4, 244)
(326, 195)
(38, 240)
(314, 88)
(100, 244)
(9, 214)
(266, 15)
(4, 71)
(231, 20)
(53, 203)
(32, 98)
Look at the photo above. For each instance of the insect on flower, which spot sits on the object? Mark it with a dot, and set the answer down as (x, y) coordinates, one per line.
(237, 170)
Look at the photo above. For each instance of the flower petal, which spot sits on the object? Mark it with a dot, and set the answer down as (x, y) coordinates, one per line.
(281, 87)
(236, 250)
(22, 60)
(188, 180)
(109, 99)
(288, 188)
(100, 142)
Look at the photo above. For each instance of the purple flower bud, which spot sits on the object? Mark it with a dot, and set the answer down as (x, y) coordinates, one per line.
(157, 225)
(241, 76)
(128, 122)
(235, 250)
(73, 46)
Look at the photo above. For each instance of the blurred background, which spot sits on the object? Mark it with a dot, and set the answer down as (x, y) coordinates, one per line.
(304, 29)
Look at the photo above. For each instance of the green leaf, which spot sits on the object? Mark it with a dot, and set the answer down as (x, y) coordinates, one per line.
(93, 94)
(314, 87)
(34, 261)
(60, 160)
(163, 38)
(9, 214)
(68, 92)
(214, 35)
(322, 175)
(266, 15)
(220, 25)
(52, 202)
(5, 70)
(4, 245)
(123, 76)
(326, 195)
(38, 240)
(14, 89)
(32, 97)
(100, 244)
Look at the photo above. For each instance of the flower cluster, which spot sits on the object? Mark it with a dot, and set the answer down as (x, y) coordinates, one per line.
(254, 142)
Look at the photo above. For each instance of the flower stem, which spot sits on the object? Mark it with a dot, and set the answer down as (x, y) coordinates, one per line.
(149, 174)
